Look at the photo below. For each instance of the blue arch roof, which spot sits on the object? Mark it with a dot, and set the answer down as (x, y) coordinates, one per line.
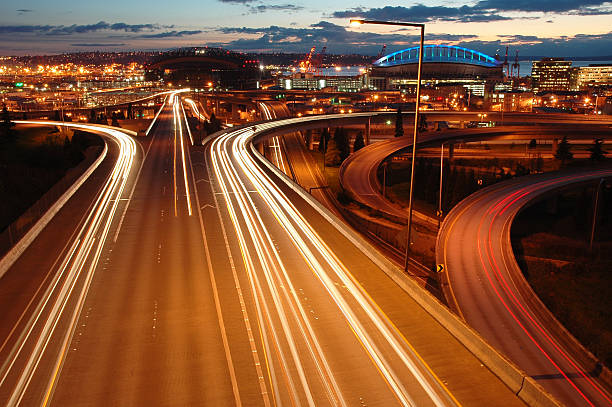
(438, 53)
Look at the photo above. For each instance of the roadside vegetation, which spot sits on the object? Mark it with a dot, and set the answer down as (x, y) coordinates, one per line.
(552, 243)
(32, 160)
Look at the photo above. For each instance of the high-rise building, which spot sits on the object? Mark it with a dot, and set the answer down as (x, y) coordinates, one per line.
(594, 76)
(553, 74)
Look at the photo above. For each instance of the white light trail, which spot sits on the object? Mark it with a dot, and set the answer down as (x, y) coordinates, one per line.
(231, 161)
(73, 278)
(179, 128)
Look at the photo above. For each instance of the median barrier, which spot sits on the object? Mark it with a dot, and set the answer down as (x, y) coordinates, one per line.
(508, 373)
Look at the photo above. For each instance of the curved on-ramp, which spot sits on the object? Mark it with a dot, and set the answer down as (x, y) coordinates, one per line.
(488, 289)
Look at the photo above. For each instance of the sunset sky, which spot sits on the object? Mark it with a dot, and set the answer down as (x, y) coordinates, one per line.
(542, 28)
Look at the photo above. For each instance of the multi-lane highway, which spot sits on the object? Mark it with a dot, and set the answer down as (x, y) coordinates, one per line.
(488, 289)
(186, 275)
(43, 292)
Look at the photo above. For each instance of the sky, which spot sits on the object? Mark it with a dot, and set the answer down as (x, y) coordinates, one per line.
(533, 27)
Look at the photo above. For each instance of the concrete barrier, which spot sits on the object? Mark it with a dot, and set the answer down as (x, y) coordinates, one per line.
(17, 250)
(525, 388)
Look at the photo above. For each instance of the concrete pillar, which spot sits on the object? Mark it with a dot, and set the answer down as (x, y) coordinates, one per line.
(451, 151)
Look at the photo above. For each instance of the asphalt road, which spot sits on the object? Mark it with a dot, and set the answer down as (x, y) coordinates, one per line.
(491, 294)
(218, 287)
(358, 174)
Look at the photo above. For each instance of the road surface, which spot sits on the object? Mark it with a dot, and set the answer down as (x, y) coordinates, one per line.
(358, 174)
(210, 284)
(488, 289)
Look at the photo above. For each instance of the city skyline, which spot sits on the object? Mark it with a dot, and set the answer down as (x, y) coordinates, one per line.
(570, 28)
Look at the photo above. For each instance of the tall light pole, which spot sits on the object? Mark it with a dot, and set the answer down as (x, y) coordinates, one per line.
(357, 22)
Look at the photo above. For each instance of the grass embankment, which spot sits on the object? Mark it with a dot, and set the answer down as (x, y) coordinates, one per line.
(573, 282)
(137, 125)
(32, 160)
(423, 248)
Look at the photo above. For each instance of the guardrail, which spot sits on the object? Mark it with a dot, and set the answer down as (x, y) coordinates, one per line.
(522, 385)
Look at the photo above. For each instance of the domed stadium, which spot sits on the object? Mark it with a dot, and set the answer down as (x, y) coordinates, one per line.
(441, 63)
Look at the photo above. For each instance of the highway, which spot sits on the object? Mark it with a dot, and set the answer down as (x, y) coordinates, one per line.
(488, 290)
(205, 279)
(324, 338)
(42, 294)
(358, 173)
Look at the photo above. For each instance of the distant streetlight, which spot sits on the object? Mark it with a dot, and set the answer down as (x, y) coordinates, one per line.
(358, 22)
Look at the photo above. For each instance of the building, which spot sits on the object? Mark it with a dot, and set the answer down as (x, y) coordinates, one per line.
(309, 81)
(206, 67)
(593, 76)
(553, 74)
(511, 101)
(442, 64)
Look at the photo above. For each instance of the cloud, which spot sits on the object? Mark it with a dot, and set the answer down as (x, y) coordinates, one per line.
(335, 37)
(482, 11)
(76, 28)
(98, 45)
(262, 8)
(172, 34)
(24, 10)
(422, 13)
(546, 6)
(340, 40)
(237, 1)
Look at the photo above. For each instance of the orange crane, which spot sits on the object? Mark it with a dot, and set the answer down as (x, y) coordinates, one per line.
(382, 52)
(318, 60)
(307, 63)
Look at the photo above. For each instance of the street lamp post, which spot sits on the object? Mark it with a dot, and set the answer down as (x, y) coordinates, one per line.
(356, 22)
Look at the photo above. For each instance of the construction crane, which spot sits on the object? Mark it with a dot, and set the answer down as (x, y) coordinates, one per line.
(318, 60)
(307, 63)
(516, 66)
(382, 52)
(505, 65)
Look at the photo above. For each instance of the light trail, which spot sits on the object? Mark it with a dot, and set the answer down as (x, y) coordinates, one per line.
(187, 123)
(65, 295)
(495, 210)
(194, 109)
(178, 131)
(276, 144)
(232, 160)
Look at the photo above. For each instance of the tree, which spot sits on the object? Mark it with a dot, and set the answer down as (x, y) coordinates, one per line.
(213, 125)
(563, 153)
(324, 140)
(342, 143)
(6, 125)
(532, 144)
(130, 112)
(56, 116)
(597, 151)
(422, 123)
(114, 121)
(358, 144)
(92, 116)
(399, 123)
(332, 155)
